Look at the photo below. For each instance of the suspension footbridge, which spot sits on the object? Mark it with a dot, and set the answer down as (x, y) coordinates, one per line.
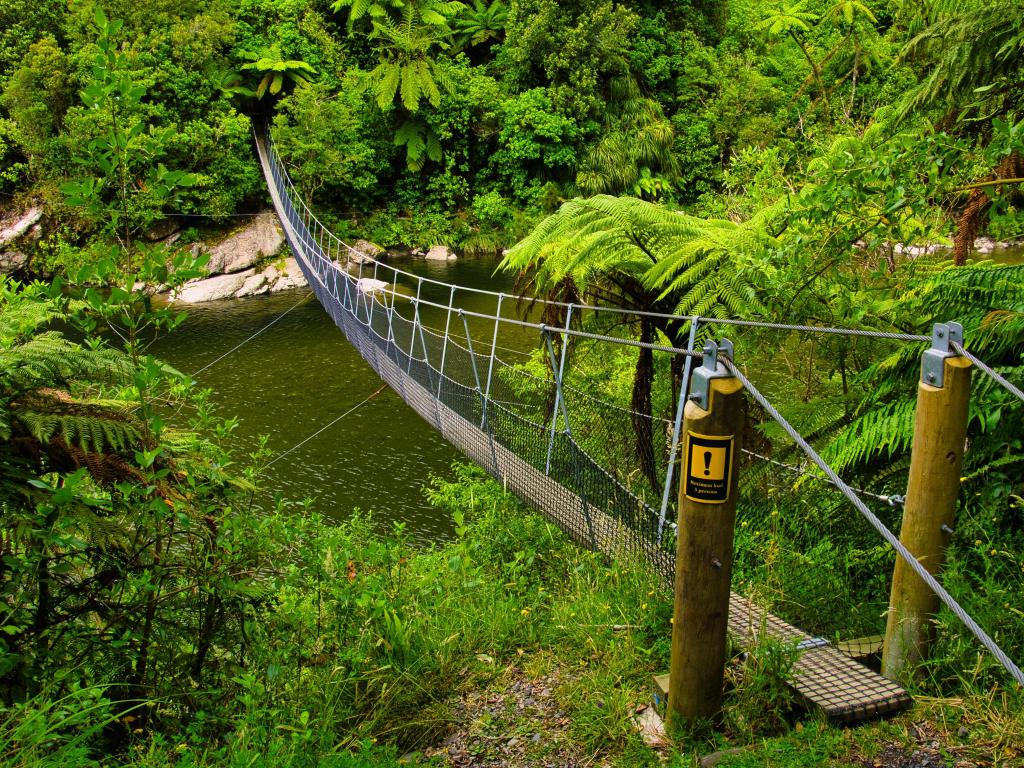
(525, 428)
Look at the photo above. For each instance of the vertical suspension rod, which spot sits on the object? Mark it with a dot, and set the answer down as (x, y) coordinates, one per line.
(559, 397)
(444, 342)
(391, 313)
(490, 364)
(558, 390)
(415, 324)
(369, 294)
(483, 402)
(676, 427)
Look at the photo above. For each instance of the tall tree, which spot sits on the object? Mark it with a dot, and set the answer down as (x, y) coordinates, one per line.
(639, 256)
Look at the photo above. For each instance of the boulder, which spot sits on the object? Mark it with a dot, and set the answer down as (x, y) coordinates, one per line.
(256, 285)
(260, 238)
(12, 230)
(397, 252)
(368, 285)
(440, 253)
(12, 261)
(365, 252)
(286, 276)
(984, 245)
(213, 288)
(161, 230)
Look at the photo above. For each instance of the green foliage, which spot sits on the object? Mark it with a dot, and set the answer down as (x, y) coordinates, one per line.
(37, 95)
(573, 49)
(971, 55)
(762, 703)
(420, 142)
(276, 70)
(690, 265)
(636, 143)
(407, 68)
(479, 23)
(334, 142)
(22, 24)
(126, 184)
(534, 141)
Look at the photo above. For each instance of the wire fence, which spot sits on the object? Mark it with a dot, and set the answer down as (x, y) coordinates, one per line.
(604, 471)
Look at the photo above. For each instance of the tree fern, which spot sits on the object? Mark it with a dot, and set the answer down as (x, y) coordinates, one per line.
(973, 52)
(989, 301)
(51, 389)
(678, 262)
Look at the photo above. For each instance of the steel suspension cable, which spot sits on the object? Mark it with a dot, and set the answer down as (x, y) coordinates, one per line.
(948, 600)
(895, 500)
(999, 378)
(238, 346)
(327, 426)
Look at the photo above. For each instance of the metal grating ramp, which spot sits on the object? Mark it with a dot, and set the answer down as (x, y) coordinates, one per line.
(824, 677)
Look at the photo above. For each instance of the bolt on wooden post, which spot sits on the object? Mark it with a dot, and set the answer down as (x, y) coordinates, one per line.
(713, 424)
(937, 452)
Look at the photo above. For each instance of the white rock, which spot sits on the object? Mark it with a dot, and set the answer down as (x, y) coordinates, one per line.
(213, 288)
(253, 286)
(260, 238)
(440, 253)
(369, 285)
(286, 276)
(12, 261)
(20, 226)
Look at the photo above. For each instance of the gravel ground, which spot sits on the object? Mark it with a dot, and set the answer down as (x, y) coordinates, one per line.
(516, 722)
(929, 751)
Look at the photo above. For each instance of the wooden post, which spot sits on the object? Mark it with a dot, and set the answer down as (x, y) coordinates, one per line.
(712, 428)
(940, 430)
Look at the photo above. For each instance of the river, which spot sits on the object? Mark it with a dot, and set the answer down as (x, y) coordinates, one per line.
(301, 373)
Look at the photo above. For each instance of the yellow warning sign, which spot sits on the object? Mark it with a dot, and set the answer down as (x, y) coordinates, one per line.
(708, 467)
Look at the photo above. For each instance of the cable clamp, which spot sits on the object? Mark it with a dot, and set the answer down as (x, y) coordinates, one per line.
(712, 368)
(933, 361)
(812, 642)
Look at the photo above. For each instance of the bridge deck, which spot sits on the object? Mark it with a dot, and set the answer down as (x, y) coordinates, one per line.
(824, 678)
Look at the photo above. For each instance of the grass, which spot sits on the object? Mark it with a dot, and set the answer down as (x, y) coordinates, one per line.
(370, 647)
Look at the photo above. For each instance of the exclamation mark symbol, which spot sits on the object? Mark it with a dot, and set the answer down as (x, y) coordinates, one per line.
(707, 462)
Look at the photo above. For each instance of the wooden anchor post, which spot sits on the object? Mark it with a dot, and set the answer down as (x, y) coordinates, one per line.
(937, 453)
(712, 429)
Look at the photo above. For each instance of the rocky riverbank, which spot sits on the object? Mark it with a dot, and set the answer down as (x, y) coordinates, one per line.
(251, 260)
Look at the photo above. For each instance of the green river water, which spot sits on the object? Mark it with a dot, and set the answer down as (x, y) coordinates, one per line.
(301, 373)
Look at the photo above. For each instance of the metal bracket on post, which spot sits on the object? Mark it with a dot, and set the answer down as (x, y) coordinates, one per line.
(711, 368)
(933, 361)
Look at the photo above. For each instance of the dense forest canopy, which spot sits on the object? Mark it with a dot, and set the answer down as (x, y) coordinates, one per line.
(481, 117)
(787, 161)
